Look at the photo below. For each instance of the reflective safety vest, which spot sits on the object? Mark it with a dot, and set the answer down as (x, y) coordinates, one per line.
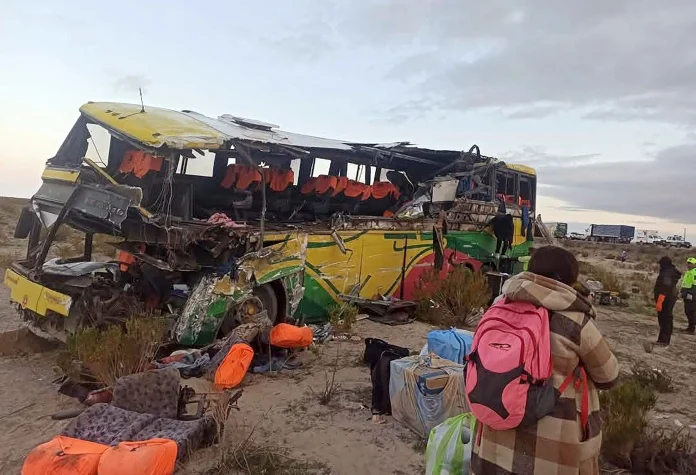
(525, 262)
(689, 279)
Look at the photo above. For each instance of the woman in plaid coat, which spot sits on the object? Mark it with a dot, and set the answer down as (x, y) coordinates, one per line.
(557, 444)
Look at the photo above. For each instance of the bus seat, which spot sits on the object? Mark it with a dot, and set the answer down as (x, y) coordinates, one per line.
(347, 194)
(248, 177)
(508, 199)
(279, 180)
(279, 191)
(139, 163)
(378, 198)
(230, 177)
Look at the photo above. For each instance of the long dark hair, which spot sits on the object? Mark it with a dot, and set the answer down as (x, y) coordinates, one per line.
(555, 263)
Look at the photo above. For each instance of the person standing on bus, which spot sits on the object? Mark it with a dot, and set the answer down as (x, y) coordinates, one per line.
(665, 297)
(688, 293)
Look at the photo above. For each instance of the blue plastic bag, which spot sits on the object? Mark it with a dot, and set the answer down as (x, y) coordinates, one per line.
(450, 344)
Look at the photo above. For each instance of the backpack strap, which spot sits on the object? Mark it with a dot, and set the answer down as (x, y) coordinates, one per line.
(579, 377)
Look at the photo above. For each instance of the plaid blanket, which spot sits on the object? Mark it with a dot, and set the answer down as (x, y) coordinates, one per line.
(556, 445)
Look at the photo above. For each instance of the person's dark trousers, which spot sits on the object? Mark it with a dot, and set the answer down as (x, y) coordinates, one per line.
(665, 319)
(690, 311)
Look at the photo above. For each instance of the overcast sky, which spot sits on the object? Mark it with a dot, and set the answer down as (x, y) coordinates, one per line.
(598, 95)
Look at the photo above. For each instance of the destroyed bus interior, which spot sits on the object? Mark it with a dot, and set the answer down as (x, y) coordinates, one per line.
(173, 225)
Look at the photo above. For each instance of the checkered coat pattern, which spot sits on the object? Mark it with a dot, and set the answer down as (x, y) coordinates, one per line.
(556, 444)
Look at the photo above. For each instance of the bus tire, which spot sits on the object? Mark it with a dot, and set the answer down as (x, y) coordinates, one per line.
(269, 299)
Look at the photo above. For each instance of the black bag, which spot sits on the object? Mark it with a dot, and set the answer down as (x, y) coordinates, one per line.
(374, 347)
(380, 374)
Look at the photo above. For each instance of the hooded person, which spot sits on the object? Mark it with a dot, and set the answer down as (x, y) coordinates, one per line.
(688, 293)
(665, 292)
(557, 443)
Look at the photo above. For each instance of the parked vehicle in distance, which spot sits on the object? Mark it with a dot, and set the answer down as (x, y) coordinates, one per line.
(676, 240)
(649, 237)
(558, 230)
(615, 233)
(576, 236)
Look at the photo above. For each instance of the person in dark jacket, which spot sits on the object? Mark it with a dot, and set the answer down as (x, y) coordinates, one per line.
(665, 297)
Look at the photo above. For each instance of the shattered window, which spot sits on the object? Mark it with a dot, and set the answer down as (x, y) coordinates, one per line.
(98, 144)
(201, 165)
(321, 167)
(525, 189)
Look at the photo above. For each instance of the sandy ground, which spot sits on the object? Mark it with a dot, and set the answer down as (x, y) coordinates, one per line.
(282, 410)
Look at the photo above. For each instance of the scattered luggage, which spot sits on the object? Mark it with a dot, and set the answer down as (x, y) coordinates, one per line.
(64, 456)
(234, 366)
(291, 337)
(425, 392)
(148, 457)
(450, 344)
(450, 445)
(374, 347)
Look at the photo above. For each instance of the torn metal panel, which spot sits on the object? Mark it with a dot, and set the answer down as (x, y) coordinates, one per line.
(202, 315)
(215, 296)
(294, 290)
(110, 205)
(276, 261)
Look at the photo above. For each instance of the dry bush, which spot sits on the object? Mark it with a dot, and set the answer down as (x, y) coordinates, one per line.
(115, 351)
(452, 301)
(343, 317)
(663, 452)
(331, 387)
(629, 442)
(242, 453)
(609, 280)
(610, 257)
(625, 416)
(585, 254)
(653, 378)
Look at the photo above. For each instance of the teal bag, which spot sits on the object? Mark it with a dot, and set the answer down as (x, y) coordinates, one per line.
(449, 446)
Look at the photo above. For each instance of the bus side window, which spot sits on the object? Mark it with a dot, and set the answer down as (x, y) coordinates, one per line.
(505, 187)
(525, 198)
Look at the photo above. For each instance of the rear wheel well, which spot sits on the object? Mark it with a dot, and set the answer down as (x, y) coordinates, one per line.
(281, 296)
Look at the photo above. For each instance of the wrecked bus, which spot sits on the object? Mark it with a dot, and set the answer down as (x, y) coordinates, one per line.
(280, 224)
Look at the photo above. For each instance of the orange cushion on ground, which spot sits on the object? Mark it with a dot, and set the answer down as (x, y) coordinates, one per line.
(235, 365)
(289, 336)
(148, 457)
(64, 456)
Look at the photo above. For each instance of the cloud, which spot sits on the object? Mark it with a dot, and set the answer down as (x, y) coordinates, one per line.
(660, 187)
(130, 83)
(620, 60)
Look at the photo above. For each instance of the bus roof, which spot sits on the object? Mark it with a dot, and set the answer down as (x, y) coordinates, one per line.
(160, 128)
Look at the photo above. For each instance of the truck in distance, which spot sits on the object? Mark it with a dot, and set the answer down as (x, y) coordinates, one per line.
(613, 233)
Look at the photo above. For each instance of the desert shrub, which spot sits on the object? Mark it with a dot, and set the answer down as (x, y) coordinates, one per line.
(117, 350)
(653, 378)
(343, 317)
(641, 266)
(610, 256)
(452, 301)
(585, 254)
(664, 451)
(609, 280)
(625, 415)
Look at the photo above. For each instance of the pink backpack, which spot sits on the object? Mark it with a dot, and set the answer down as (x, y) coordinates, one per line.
(509, 368)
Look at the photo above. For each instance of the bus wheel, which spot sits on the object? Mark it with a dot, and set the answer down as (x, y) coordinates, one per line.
(263, 298)
(268, 298)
